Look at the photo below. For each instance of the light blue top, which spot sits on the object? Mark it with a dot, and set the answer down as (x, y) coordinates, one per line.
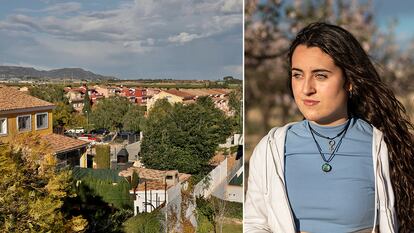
(342, 200)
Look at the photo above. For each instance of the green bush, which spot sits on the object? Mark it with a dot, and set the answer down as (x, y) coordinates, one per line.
(144, 223)
(234, 210)
(106, 184)
(102, 157)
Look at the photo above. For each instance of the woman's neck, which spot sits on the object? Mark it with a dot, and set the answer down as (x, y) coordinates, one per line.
(335, 122)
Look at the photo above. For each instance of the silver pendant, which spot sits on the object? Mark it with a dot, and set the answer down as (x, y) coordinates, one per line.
(331, 145)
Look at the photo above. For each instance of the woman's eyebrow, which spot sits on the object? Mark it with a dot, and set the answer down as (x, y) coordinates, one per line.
(297, 69)
(313, 71)
(321, 70)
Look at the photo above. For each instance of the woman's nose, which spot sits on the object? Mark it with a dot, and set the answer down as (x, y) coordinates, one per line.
(308, 86)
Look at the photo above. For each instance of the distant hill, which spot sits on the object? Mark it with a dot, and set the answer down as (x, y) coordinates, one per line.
(64, 73)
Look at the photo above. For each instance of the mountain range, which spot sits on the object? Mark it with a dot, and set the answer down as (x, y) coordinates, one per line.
(64, 73)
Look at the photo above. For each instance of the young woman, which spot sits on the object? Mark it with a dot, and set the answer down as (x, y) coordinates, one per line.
(349, 165)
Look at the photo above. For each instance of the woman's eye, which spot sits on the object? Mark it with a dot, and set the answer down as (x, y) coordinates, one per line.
(296, 75)
(321, 76)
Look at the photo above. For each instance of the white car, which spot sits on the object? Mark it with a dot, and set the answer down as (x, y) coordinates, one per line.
(76, 130)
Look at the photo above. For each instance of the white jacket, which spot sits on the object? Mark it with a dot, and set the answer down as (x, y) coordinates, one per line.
(267, 207)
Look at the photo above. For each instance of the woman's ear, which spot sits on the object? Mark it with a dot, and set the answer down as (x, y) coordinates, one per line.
(350, 90)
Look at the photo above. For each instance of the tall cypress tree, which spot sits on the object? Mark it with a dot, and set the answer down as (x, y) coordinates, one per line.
(86, 103)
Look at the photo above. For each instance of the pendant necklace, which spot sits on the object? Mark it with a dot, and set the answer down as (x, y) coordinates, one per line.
(331, 139)
(326, 167)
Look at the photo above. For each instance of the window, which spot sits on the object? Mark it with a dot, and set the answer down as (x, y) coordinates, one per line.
(42, 120)
(3, 126)
(24, 123)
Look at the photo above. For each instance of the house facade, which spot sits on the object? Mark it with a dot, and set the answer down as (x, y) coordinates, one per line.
(173, 96)
(21, 113)
(76, 97)
(156, 188)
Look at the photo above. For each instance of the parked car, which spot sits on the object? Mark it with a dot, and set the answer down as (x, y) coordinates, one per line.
(91, 137)
(101, 131)
(76, 130)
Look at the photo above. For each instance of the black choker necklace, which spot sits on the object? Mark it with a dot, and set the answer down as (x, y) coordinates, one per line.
(331, 139)
(326, 167)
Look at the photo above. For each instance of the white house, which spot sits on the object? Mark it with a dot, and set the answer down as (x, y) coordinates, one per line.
(156, 188)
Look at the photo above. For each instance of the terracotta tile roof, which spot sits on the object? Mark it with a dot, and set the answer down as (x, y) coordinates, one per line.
(206, 92)
(221, 91)
(220, 157)
(183, 177)
(146, 173)
(182, 94)
(196, 92)
(11, 99)
(60, 143)
(76, 89)
(217, 159)
(152, 185)
(153, 174)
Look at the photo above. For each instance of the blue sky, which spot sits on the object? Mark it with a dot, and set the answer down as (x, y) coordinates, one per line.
(400, 10)
(386, 11)
(179, 39)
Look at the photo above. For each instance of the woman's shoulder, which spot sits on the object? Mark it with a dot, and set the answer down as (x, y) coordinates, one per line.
(278, 131)
(275, 134)
(363, 127)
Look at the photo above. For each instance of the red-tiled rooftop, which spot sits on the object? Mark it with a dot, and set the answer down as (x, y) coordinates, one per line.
(207, 92)
(12, 99)
(76, 89)
(182, 94)
(217, 159)
(60, 143)
(152, 185)
(220, 157)
(153, 174)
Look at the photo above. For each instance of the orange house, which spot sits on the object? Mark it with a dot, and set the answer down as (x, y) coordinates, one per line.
(21, 113)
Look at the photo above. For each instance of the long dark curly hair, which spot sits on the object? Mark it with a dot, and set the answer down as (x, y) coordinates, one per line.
(373, 101)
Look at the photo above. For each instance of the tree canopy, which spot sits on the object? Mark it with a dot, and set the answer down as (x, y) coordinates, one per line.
(32, 191)
(133, 119)
(116, 113)
(183, 137)
(50, 93)
(235, 104)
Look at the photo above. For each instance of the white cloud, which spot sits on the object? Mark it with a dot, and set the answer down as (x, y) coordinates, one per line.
(164, 20)
(150, 41)
(112, 37)
(55, 9)
(183, 37)
(23, 64)
(63, 8)
(232, 6)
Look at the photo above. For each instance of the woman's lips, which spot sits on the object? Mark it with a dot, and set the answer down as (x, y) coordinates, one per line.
(310, 102)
